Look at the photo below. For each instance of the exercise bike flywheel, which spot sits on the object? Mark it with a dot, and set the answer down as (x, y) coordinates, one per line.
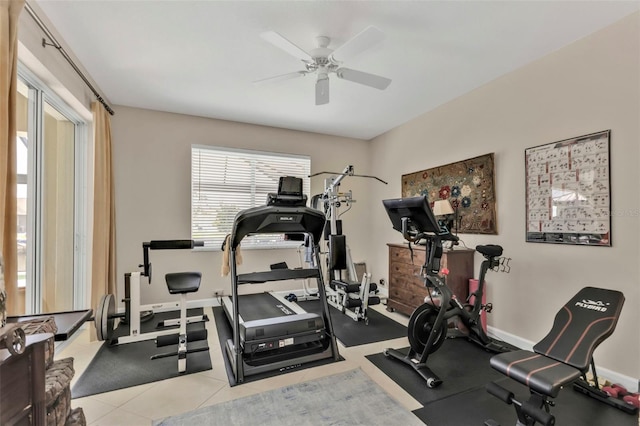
(421, 325)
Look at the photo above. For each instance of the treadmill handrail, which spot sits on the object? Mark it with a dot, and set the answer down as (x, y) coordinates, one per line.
(276, 275)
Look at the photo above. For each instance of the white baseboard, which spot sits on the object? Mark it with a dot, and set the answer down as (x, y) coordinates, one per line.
(203, 303)
(510, 338)
(631, 383)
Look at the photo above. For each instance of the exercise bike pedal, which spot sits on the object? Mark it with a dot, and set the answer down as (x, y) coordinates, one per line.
(488, 307)
(497, 347)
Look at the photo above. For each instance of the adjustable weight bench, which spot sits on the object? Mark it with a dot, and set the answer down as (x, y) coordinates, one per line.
(562, 358)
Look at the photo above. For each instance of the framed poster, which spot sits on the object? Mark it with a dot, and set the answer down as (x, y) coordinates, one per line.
(568, 191)
(468, 185)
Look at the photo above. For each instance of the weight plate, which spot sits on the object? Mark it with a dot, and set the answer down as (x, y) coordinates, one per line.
(105, 313)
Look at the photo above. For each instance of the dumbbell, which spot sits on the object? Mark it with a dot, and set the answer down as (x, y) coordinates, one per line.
(632, 399)
(615, 390)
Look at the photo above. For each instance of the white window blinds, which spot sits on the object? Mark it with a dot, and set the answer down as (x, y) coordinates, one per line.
(225, 181)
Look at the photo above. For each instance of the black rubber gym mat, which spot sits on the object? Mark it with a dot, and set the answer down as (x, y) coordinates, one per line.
(225, 332)
(460, 364)
(475, 406)
(354, 333)
(126, 365)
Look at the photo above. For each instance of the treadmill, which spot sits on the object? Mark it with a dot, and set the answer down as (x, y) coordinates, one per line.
(265, 318)
(293, 337)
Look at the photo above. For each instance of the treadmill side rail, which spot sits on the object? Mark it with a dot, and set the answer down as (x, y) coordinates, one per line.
(276, 275)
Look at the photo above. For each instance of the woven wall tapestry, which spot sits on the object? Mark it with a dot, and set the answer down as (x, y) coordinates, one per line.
(469, 187)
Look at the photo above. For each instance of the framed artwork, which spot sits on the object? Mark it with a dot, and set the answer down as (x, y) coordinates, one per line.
(568, 191)
(468, 185)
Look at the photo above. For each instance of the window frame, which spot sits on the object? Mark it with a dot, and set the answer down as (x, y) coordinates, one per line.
(258, 198)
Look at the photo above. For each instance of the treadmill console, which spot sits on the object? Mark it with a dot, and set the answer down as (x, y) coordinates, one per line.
(289, 193)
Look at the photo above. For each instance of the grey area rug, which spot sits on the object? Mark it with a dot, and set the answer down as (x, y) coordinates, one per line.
(350, 398)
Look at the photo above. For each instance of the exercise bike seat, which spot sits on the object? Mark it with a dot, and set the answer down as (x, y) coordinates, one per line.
(490, 250)
(565, 353)
(183, 282)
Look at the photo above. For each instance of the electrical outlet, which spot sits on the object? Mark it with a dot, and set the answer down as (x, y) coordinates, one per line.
(218, 292)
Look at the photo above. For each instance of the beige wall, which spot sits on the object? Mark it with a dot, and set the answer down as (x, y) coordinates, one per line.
(152, 158)
(589, 86)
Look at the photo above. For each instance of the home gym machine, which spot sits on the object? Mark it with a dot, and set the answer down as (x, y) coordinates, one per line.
(288, 341)
(428, 324)
(562, 358)
(351, 295)
(134, 313)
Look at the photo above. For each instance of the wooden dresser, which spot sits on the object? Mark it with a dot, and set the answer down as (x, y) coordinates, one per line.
(22, 384)
(406, 287)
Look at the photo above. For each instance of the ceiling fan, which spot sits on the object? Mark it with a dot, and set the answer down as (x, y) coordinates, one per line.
(323, 61)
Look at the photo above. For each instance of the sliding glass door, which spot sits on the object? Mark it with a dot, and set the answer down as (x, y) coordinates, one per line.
(50, 152)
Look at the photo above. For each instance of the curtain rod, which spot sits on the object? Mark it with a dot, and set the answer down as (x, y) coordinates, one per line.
(60, 49)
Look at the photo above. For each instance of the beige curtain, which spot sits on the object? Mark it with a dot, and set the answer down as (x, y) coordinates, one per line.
(9, 14)
(104, 224)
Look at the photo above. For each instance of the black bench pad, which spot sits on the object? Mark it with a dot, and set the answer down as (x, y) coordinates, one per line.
(541, 374)
(183, 282)
(346, 287)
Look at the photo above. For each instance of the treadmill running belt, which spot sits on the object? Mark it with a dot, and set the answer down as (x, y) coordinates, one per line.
(261, 306)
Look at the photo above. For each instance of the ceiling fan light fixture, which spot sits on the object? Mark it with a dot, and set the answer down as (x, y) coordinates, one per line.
(322, 89)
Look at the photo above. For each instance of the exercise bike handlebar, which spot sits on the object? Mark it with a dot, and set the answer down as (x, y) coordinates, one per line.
(414, 237)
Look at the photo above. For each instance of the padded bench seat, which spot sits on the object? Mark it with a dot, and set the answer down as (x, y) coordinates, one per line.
(345, 286)
(541, 374)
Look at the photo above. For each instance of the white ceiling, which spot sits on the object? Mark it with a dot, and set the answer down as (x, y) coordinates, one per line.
(201, 57)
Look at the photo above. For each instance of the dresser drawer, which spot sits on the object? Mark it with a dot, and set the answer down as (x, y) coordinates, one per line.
(403, 255)
(406, 287)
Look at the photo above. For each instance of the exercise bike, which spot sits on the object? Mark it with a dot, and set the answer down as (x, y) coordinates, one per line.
(429, 323)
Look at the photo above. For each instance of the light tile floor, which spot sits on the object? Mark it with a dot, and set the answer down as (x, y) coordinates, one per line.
(140, 405)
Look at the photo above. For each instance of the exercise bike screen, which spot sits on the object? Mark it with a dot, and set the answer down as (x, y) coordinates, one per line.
(416, 209)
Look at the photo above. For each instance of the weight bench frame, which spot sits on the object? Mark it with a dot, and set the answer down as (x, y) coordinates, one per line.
(562, 358)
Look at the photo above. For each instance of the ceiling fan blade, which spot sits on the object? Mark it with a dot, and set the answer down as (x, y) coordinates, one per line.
(362, 41)
(322, 91)
(365, 78)
(279, 78)
(280, 42)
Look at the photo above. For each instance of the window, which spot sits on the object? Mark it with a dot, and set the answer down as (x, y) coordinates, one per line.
(225, 181)
(51, 182)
